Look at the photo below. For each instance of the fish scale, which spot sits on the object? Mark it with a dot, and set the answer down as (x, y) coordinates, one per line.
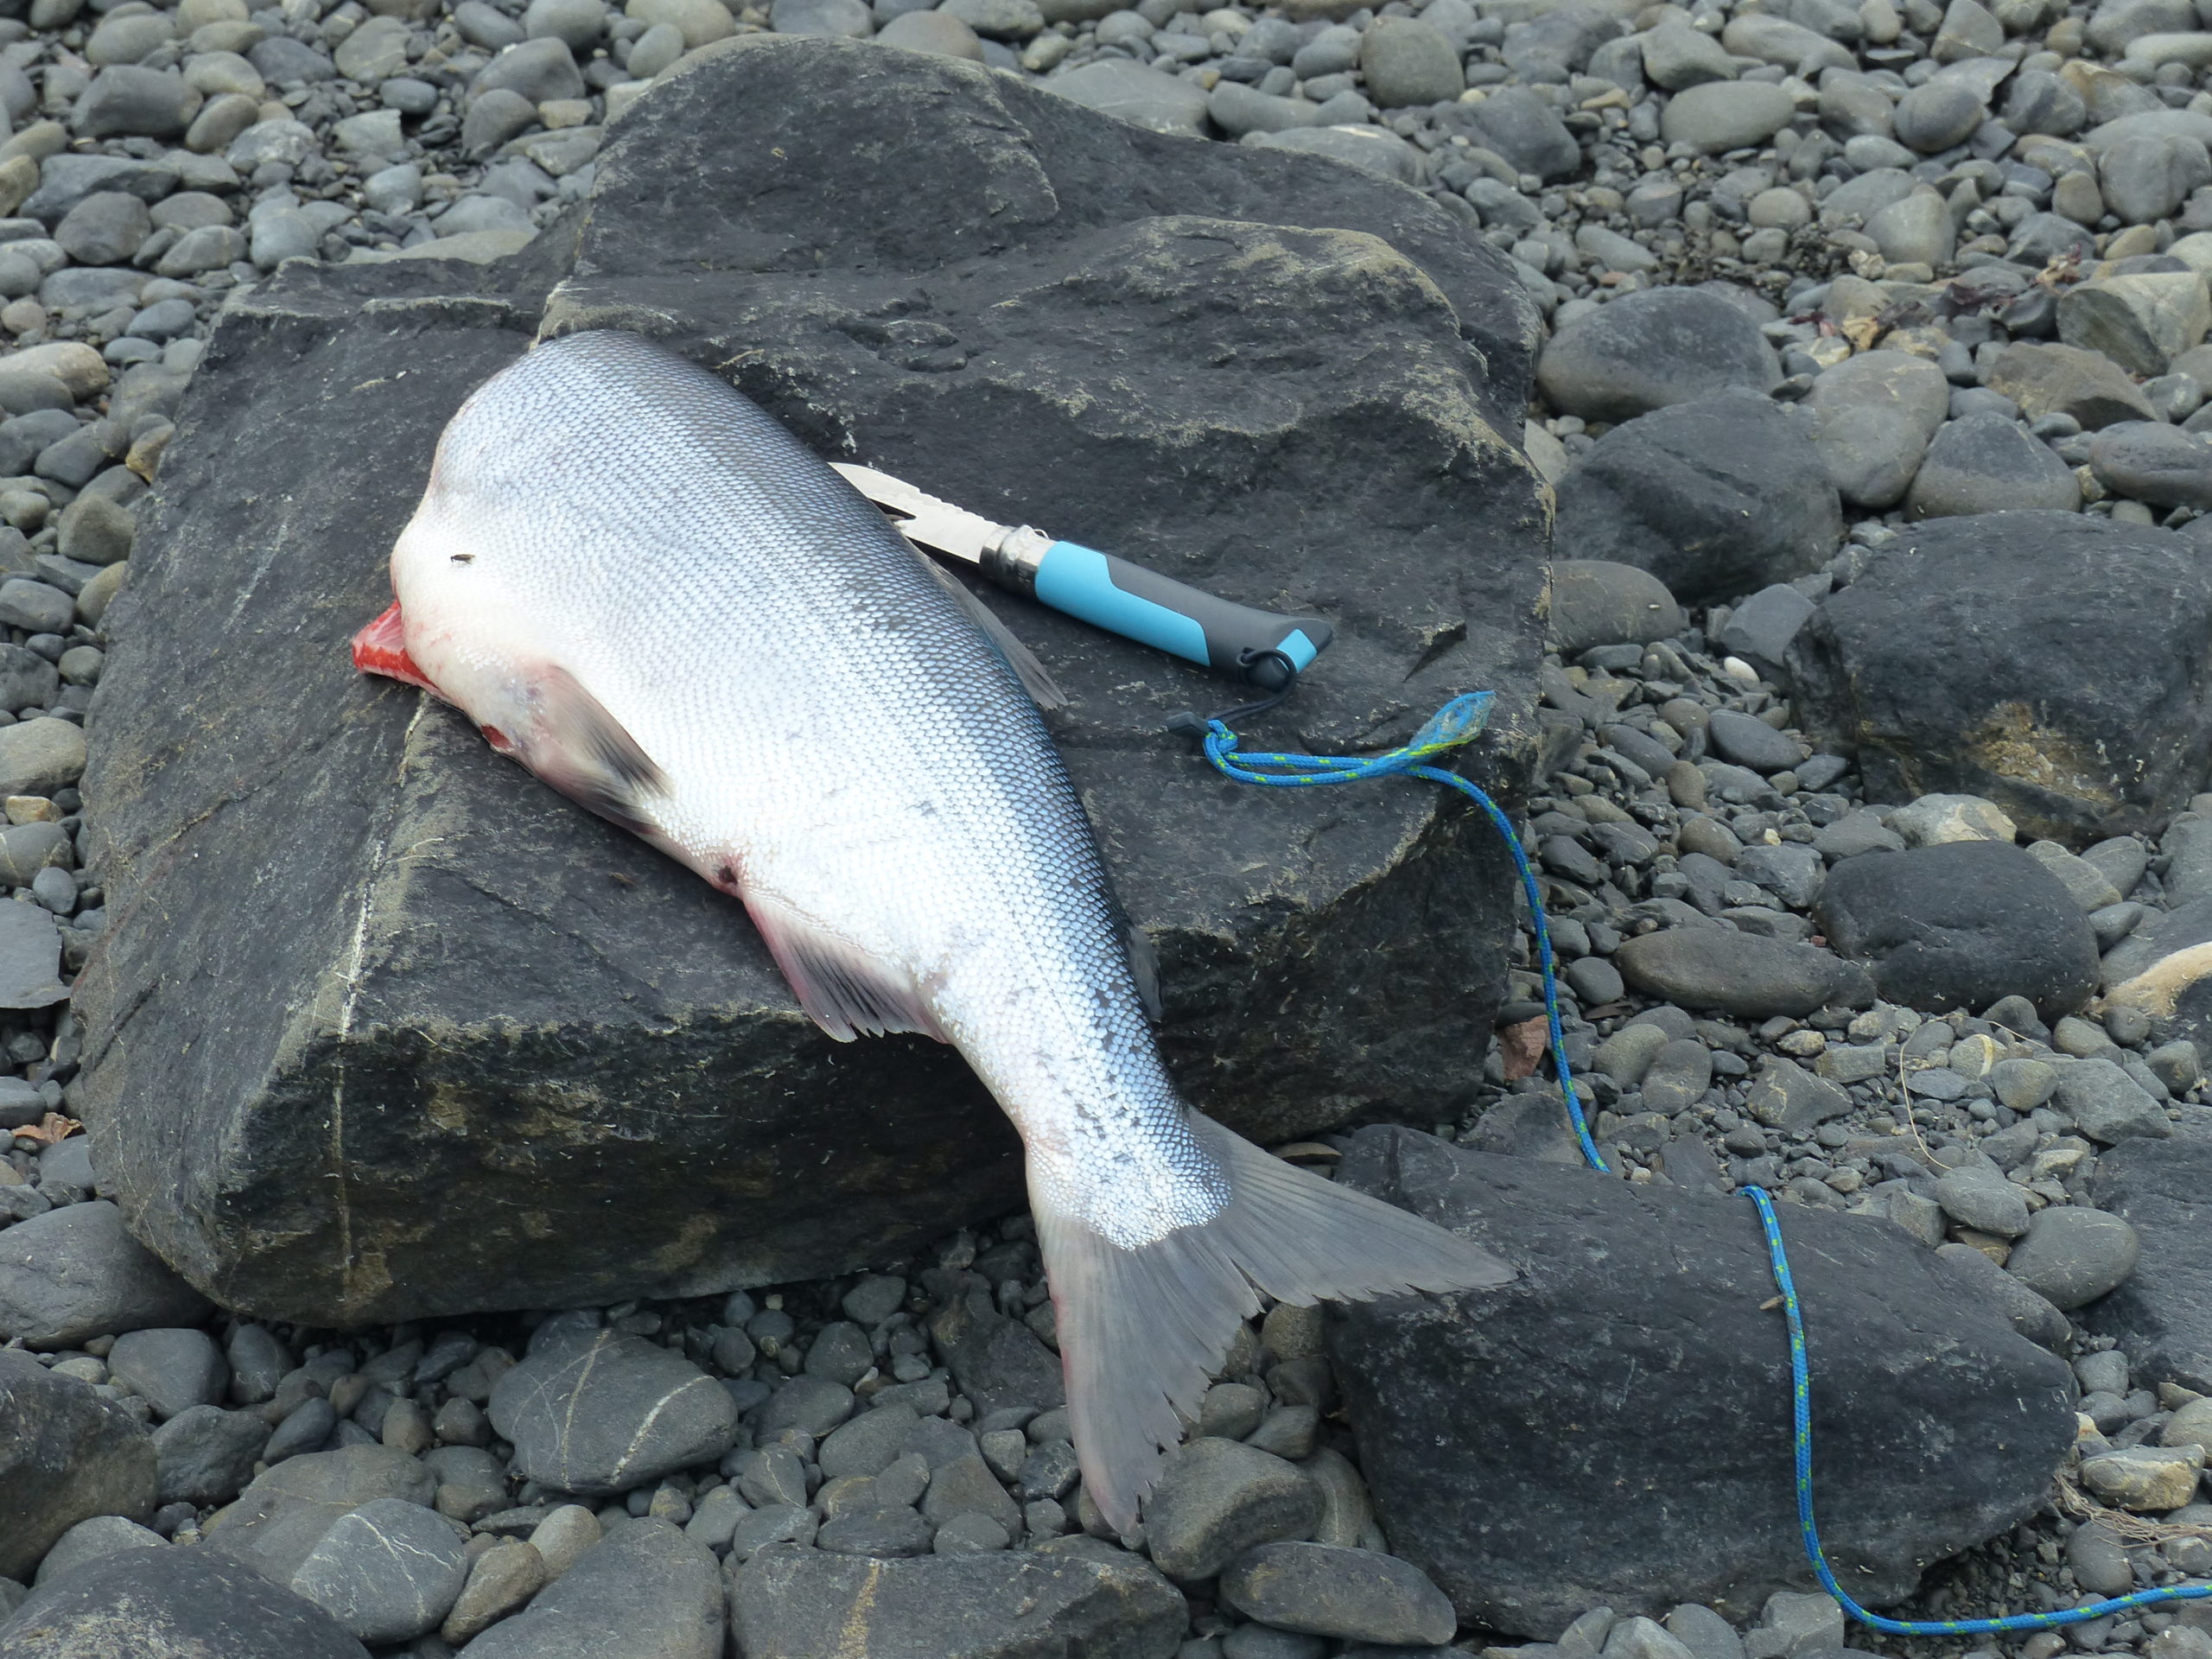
(642, 588)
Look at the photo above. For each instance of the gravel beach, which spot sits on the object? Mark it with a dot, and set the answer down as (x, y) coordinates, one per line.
(1867, 772)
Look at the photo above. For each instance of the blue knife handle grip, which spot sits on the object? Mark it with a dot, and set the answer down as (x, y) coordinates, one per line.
(1158, 611)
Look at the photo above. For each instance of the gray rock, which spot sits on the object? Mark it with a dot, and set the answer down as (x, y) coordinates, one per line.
(1894, 1378)
(1739, 973)
(1983, 1199)
(944, 33)
(1237, 109)
(1961, 924)
(1786, 1096)
(388, 1572)
(280, 1518)
(36, 608)
(1677, 56)
(2145, 178)
(576, 23)
(207, 1454)
(2108, 1105)
(2027, 1312)
(2066, 380)
(1217, 1499)
(2163, 1313)
(599, 1414)
(721, 1178)
(646, 1593)
(1938, 114)
(1713, 497)
(866, 1445)
(1915, 231)
(127, 101)
(1408, 61)
(105, 228)
(74, 1273)
(1879, 411)
(96, 1539)
(1986, 463)
(1650, 350)
(1357, 1594)
(1600, 602)
(1132, 92)
(538, 70)
(172, 1603)
(1518, 125)
(170, 1368)
(1760, 629)
(1725, 115)
(1749, 742)
(2073, 1255)
(1370, 148)
(2148, 461)
(65, 1455)
(1073, 1596)
(2141, 321)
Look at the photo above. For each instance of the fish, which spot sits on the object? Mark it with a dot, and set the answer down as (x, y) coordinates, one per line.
(640, 586)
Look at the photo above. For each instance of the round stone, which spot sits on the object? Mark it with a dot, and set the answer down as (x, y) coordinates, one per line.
(2073, 1255)
(1724, 115)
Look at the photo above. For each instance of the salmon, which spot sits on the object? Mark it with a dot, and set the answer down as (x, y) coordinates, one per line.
(643, 588)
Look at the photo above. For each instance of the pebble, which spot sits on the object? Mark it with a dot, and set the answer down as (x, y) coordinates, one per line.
(2073, 1255)
(1650, 350)
(74, 1273)
(1217, 1499)
(1354, 1594)
(390, 1570)
(598, 1414)
(1736, 973)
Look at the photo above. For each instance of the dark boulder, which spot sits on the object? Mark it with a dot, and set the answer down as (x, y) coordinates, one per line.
(2163, 969)
(2058, 665)
(172, 1603)
(491, 1033)
(65, 1455)
(2161, 1317)
(1716, 498)
(1613, 1427)
(1961, 924)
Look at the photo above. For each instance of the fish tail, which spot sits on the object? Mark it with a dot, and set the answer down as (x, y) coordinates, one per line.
(1141, 1330)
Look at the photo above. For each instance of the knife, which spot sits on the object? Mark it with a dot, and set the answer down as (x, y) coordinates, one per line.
(1257, 646)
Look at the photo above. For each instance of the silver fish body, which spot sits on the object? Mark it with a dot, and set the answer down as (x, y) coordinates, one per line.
(649, 592)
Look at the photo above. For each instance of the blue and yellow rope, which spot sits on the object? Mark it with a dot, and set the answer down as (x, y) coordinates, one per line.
(1461, 721)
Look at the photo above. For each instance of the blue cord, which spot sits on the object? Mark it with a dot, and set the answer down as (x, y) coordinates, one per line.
(1459, 723)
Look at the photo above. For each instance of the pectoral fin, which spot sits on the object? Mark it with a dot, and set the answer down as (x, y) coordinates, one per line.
(589, 756)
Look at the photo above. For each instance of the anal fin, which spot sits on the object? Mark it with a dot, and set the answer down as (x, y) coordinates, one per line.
(843, 989)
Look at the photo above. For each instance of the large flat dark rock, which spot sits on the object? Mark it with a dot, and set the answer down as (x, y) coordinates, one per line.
(1613, 1427)
(2161, 1317)
(385, 1027)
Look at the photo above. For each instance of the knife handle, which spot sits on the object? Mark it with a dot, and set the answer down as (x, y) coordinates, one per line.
(1158, 611)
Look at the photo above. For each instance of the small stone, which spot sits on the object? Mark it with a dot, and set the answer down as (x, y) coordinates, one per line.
(2152, 1479)
(65, 1455)
(1985, 1200)
(936, 32)
(170, 1369)
(1408, 61)
(1217, 1499)
(2073, 1255)
(562, 1537)
(1938, 114)
(74, 1273)
(1737, 974)
(206, 1455)
(388, 1572)
(502, 1579)
(1131, 92)
(2046, 379)
(2108, 1105)
(1787, 1097)
(94, 1540)
(2148, 460)
(1354, 1594)
(1938, 820)
(1986, 463)
(1724, 115)
(646, 1591)
(1648, 350)
(599, 1414)
(1879, 412)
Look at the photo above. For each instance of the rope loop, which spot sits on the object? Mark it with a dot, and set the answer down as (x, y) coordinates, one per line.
(1459, 721)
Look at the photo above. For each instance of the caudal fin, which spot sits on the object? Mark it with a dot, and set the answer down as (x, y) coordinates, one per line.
(1141, 1330)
